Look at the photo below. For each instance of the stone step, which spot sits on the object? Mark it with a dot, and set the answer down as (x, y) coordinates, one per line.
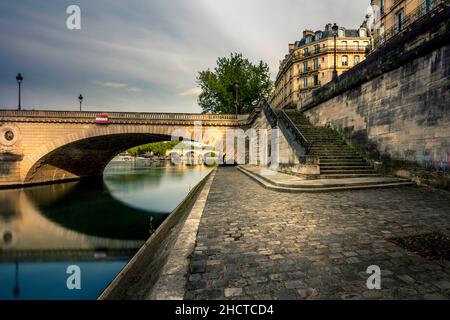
(325, 168)
(347, 171)
(342, 150)
(342, 162)
(346, 175)
(332, 148)
(328, 143)
(335, 154)
(340, 157)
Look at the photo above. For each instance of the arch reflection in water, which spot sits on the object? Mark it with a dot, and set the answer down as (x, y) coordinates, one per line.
(97, 224)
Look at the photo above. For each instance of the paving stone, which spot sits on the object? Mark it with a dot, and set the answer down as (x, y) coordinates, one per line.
(308, 293)
(232, 292)
(295, 284)
(257, 243)
(198, 266)
(434, 296)
(443, 284)
(407, 279)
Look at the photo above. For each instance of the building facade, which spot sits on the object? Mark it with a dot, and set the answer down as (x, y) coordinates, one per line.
(310, 62)
(392, 17)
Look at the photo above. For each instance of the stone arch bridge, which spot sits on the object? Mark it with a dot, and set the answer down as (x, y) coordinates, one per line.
(50, 146)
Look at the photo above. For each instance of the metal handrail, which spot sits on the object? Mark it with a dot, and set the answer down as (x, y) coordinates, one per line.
(269, 113)
(291, 124)
(421, 11)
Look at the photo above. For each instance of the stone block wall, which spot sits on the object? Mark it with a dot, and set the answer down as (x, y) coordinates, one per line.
(284, 153)
(403, 113)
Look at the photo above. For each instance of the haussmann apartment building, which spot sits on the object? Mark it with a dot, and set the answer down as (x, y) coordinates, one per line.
(310, 62)
(395, 16)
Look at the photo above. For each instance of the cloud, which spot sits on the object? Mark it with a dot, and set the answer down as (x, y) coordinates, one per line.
(117, 85)
(192, 93)
(150, 47)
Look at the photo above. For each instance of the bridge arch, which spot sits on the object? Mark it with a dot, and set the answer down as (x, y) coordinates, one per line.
(44, 146)
(87, 152)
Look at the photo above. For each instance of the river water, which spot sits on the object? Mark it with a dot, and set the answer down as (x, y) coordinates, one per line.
(94, 225)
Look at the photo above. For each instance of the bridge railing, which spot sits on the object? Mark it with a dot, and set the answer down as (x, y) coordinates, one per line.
(269, 113)
(121, 115)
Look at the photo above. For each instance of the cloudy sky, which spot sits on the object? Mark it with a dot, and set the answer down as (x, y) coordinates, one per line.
(144, 55)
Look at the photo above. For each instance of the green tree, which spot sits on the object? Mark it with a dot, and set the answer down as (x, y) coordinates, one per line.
(158, 148)
(252, 82)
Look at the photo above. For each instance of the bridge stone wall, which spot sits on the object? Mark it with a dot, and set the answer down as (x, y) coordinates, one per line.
(41, 146)
(285, 154)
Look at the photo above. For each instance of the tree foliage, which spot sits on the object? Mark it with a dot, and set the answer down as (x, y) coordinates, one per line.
(158, 148)
(219, 86)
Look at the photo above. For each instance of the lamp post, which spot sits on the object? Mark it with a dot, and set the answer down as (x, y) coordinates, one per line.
(236, 101)
(335, 29)
(80, 98)
(19, 80)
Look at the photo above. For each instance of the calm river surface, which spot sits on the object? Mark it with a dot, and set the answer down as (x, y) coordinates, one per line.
(96, 225)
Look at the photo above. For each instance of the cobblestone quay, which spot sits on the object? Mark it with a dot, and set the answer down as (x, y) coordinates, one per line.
(255, 243)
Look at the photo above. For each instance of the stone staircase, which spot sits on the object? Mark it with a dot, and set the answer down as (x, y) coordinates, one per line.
(337, 158)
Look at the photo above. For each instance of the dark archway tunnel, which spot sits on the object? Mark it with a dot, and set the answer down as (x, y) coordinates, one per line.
(87, 157)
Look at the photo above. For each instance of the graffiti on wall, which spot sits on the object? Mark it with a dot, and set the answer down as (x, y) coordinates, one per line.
(434, 159)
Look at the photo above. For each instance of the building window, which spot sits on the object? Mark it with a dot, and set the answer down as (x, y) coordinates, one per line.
(357, 60)
(362, 32)
(381, 32)
(345, 60)
(341, 33)
(305, 82)
(317, 48)
(306, 51)
(428, 5)
(399, 20)
(381, 6)
(344, 45)
(356, 45)
(316, 63)
(316, 80)
(305, 66)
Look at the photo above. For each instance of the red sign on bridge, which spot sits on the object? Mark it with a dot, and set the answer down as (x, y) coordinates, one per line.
(102, 118)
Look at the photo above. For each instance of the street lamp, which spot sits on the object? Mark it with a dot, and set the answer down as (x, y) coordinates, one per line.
(19, 80)
(335, 29)
(80, 98)
(236, 101)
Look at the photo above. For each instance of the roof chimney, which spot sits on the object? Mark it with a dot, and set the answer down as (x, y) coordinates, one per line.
(307, 33)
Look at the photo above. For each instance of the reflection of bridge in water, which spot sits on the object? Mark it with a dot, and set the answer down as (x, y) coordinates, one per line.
(48, 223)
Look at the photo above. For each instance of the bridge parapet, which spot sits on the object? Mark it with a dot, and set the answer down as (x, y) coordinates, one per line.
(124, 117)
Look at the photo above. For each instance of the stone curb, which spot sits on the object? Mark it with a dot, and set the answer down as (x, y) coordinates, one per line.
(148, 263)
(266, 183)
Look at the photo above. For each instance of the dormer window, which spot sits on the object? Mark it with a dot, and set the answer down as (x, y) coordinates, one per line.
(362, 32)
(341, 33)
